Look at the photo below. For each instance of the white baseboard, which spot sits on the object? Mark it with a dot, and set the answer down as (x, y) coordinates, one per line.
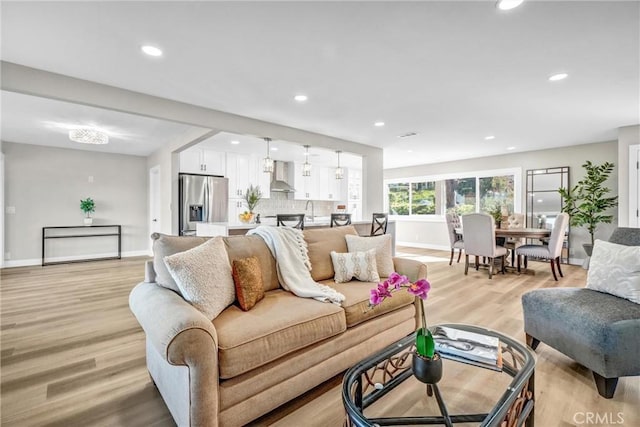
(38, 261)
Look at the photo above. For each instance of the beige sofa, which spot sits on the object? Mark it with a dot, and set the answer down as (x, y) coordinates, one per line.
(244, 364)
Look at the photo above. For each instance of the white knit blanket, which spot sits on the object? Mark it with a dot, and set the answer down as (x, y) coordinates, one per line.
(288, 247)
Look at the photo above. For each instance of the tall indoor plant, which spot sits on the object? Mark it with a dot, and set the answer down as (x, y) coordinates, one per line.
(588, 201)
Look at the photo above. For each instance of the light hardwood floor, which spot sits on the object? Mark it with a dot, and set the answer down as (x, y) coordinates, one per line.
(72, 354)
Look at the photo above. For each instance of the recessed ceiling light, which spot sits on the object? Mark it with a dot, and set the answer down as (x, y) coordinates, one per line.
(490, 137)
(511, 148)
(151, 50)
(300, 98)
(557, 77)
(409, 151)
(274, 148)
(539, 200)
(508, 4)
(235, 142)
(378, 124)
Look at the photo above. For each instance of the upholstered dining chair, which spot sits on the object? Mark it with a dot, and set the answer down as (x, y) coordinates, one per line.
(290, 220)
(480, 240)
(553, 250)
(453, 222)
(379, 224)
(340, 219)
(515, 220)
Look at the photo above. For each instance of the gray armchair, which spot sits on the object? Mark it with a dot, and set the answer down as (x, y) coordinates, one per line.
(597, 330)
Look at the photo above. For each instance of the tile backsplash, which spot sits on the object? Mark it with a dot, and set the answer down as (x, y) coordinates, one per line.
(279, 203)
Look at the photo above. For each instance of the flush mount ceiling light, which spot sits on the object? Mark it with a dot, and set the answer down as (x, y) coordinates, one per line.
(339, 169)
(151, 50)
(306, 166)
(378, 124)
(235, 142)
(267, 162)
(508, 4)
(489, 138)
(300, 98)
(88, 136)
(558, 77)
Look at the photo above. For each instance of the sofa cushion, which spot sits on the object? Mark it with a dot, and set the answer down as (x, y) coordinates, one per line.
(356, 303)
(165, 245)
(615, 269)
(321, 241)
(279, 324)
(248, 280)
(358, 265)
(239, 247)
(203, 275)
(383, 247)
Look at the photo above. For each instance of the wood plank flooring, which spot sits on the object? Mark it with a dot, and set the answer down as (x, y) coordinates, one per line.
(72, 354)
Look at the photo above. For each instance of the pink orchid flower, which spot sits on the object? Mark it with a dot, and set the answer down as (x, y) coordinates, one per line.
(396, 280)
(420, 288)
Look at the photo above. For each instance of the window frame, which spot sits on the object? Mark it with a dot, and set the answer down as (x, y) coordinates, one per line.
(440, 180)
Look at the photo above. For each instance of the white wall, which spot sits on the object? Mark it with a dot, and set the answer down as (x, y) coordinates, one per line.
(45, 186)
(433, 233)
(627, 136)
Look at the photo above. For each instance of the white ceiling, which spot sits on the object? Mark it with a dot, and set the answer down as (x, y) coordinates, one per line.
(454, 72)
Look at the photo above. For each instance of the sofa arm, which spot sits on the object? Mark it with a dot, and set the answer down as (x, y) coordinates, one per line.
(411, 268)
(180, 335)
(149, 272)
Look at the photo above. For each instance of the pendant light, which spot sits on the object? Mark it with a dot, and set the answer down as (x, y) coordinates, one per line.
(267, 162)
(339, 170)
(306, 166)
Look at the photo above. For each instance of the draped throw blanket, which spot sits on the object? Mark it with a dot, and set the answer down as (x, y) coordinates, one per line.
(288, 247)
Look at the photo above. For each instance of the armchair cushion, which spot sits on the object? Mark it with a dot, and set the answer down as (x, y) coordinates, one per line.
(615, 269)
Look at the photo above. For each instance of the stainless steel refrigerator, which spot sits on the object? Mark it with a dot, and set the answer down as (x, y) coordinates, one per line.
(203, 198)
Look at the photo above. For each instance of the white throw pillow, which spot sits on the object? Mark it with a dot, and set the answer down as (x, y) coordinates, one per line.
(382, 245)
(615, 269)
(361, 265)
(203, 275)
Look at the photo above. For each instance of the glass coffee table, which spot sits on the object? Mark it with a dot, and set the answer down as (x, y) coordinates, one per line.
(381, 389)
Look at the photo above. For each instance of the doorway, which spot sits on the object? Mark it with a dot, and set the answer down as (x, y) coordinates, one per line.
(155, 214)
(634, 186)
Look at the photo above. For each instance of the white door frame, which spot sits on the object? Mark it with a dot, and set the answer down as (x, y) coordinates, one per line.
(634, 185)
(2, 210)
(155, 203)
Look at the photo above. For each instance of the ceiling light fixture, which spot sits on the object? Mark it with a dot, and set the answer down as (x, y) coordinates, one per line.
(306, 166)
(151, 50)
(300, 98)
(489, 138)
(508, 4)
(88, 136)
(267, 162)
(339, 169)
(378, 124)
(511, 148)
(558, 77)
(235, 142)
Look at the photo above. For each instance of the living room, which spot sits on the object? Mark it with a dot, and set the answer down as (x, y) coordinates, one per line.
(461, 97)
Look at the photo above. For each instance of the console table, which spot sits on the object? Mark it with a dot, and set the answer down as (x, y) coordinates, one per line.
(109, 231)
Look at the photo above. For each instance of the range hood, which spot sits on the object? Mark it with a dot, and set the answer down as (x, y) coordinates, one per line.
(282, 174)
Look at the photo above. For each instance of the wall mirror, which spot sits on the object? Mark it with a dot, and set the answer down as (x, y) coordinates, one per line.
(544, 203)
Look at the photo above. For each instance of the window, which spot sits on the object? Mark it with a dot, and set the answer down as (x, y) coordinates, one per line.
(473, 192)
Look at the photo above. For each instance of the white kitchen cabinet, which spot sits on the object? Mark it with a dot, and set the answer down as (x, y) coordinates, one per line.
(244, 170)
(236, 207)
(354, 184)
(202, 161)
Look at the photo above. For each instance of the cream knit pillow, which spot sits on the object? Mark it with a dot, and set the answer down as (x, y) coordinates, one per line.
(615, 269)
(203, 275)
(361, 265)
(382, 245)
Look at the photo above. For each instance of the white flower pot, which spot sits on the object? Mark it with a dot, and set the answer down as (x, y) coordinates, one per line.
(88, 221)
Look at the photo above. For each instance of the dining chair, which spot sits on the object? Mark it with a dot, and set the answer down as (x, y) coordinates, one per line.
(553, 250)
(290, 220)
(480, 240)
(453, 222)
(514, 221)
(340, 219)
(379, 224)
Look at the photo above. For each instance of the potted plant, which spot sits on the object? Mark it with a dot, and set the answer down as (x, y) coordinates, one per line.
(251, 197)
(587, 202)
(88, 206)
(496, 213)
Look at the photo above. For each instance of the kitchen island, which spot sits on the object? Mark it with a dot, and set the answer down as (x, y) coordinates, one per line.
(234, 229)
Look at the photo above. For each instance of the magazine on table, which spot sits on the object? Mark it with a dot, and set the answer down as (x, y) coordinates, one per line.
(469, 347)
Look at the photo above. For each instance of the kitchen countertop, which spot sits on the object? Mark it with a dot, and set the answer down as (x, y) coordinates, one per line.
(271, 221)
